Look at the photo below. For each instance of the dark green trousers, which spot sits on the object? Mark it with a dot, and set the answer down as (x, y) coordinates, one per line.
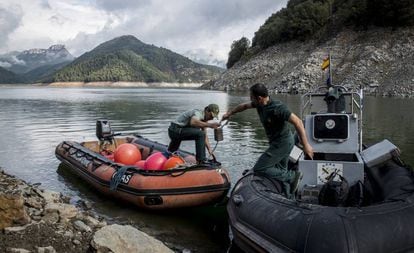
(273, 163)
(178, 134)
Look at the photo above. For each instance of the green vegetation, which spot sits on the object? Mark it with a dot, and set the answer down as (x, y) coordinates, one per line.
(298, 21)
(123, 65)
(317, 19)
(238, 49)
(128, 59)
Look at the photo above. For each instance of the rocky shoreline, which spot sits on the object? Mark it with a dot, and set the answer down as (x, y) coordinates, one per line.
(378, 60)
(43, 221)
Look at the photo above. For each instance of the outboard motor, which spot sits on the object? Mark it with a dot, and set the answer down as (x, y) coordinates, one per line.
(103, 130)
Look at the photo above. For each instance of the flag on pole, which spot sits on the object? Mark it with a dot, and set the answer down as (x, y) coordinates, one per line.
(325, 63)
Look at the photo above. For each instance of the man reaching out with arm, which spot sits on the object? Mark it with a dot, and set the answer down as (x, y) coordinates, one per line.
(274, 116)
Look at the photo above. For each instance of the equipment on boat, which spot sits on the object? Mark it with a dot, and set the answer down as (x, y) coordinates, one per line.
(140, 164)
(104, 130)
(351, 198)
(218, 132)
(335, 138)
(127, 154)
(173, 162)
(155, 161)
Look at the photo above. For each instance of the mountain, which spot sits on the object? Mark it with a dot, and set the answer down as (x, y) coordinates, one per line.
(25, 61)
(8, 76)
(126, 58)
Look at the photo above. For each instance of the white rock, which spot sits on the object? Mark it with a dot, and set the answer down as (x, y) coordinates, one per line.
(79, 225)
(118, 239)
(66, 211)
(16, 250)
(48, 249)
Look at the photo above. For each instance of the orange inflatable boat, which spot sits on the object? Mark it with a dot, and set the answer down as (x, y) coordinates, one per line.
(186, 185)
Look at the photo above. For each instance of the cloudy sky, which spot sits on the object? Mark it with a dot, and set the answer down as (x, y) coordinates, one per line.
(202, 29)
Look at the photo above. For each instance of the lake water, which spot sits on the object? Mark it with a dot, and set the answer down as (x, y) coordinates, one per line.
(33, 120)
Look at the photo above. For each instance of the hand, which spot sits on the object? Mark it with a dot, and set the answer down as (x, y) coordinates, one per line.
(308, 150)
(214, 125)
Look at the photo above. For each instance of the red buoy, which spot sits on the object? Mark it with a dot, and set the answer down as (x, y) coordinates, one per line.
(155, 161)
(173, 162)
(140, 164)
(127, 154)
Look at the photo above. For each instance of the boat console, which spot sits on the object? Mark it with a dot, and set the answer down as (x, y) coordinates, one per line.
(332, 119)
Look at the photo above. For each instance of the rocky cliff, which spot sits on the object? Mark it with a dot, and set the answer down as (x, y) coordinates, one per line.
(379, 60)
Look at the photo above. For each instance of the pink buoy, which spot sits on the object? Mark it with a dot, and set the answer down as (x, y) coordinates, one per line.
(127, 154)
(155, 161)
(140, 164)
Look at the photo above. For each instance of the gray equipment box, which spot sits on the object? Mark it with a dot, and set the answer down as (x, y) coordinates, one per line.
(332, 133)
(315, 172)
(379, 153)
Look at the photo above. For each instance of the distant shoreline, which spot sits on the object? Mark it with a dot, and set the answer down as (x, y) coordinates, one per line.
(109, 85)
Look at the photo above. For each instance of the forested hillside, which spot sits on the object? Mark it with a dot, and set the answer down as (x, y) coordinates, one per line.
(128, 59)
(304, 20)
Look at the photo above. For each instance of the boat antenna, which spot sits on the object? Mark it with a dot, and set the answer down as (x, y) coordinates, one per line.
(361, 108)
(329, 80)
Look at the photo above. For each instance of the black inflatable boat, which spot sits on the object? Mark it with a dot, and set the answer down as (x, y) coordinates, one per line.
(351, 198)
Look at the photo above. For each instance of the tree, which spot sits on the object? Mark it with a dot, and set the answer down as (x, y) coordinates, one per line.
(238, 48)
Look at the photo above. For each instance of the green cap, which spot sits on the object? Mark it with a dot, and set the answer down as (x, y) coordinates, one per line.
(214, 109)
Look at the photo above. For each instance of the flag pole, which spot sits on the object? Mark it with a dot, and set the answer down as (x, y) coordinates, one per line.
(329, 51)
(329, 70)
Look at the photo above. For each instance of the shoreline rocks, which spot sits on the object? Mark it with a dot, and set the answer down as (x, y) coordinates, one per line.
(38, 220)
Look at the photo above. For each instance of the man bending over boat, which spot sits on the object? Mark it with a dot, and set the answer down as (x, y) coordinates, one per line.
(274, 116)
(192, 125)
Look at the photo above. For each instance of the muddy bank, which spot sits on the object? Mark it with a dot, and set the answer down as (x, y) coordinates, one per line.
(38, 220)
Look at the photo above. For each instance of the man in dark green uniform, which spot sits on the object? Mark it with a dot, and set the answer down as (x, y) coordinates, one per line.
(274, 116)
(192, 125)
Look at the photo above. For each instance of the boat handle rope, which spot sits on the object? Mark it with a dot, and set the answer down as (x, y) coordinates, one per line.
(117, 177)
(179, 174)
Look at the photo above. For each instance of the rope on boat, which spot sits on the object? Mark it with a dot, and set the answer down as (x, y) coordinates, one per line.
(117, 177)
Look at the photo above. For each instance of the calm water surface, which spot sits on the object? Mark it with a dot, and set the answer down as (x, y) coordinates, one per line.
(34, 120)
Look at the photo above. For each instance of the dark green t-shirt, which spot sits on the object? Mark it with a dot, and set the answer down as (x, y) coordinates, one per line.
(274, 117)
